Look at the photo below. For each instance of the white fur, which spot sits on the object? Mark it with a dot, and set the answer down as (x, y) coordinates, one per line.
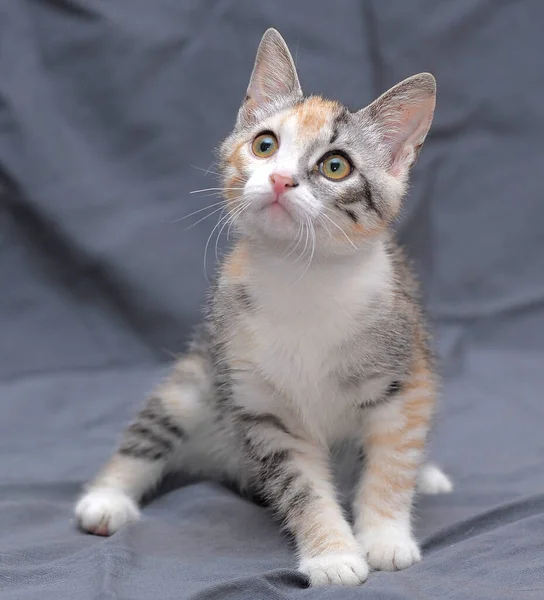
(104, 511)
(389, 548)
(299, 201)
(335, 568)
(299, 333)
(432, 480)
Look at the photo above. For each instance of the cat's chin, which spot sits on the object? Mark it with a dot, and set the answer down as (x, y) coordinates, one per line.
(277, 214)
(277, 210)
(276, 221)
(278, 230)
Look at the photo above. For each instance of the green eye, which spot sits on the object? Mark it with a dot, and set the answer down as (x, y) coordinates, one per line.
(335, 167)
(265, 145)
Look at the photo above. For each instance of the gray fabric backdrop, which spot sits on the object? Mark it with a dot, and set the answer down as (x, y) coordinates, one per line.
(106, 111)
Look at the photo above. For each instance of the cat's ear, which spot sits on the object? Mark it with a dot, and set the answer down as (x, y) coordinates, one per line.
(274, 76)
(403, 116)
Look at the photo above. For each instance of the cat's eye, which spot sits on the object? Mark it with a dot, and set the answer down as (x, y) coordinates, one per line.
(265, 145)
(335, 166)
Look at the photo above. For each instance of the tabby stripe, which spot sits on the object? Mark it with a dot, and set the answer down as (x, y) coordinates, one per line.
(262, 419)
(151, 414)
(366, 195)
(136, 450)
(351, 214)
(150, 436)
(243, 297)
(340, 119)
(393, 388)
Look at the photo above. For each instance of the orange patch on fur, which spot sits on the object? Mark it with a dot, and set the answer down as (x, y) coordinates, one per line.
(360, 229)
(232, 195)
(313, 114)
(391, 463)
(419, 376)
(389, 438)
(392, 467)
(383, 512)
(414, 444)
(417, 417)
(389, 487)
(237, 164)
(235, 158)
(238, 158)
(419, 404)
(356, 232)
(326, 541)
(236, 263)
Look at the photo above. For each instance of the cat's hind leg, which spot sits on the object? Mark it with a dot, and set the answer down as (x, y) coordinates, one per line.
(432, 480)
(151, 445)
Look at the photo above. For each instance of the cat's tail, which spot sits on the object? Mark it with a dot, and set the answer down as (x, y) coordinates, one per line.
(432, 480)
(150, 445)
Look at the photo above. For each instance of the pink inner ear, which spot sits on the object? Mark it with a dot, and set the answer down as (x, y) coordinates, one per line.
(267, 85)
(407, 126)
(404, 130)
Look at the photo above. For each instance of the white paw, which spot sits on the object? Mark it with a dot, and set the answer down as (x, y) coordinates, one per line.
(389, 548)
(432, 480)
(104, 511)
(335, 569)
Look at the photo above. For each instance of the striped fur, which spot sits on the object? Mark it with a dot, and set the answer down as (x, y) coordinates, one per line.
(313, 335)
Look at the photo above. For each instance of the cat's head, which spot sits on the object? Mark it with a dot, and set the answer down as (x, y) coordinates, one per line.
(296, 164)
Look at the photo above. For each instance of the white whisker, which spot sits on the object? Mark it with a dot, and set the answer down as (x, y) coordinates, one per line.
(211, 194)
(305, 240)
(295, 244)
(232, 217)
(338, 227)
(222, 207)
(215, 189)
(312, 252)
(197, 211)
(207, 171)
(210, 214)
(247, 203)
(218, 224)
(221, 221)
(320, 219)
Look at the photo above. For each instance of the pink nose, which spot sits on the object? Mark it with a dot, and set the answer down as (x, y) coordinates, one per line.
(281, 182)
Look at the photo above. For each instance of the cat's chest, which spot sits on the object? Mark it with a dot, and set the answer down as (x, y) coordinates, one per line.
(303, 358)
(300, 340)
(299, 349)
(298, 334)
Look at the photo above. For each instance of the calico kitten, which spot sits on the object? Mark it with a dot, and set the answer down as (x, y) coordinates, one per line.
(313, 335)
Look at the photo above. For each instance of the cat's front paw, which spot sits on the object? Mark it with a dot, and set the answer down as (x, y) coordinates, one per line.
(104, 511)
(389, 548)
(335, 569)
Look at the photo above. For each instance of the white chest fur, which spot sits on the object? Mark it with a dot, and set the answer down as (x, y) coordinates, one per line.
(301, 328)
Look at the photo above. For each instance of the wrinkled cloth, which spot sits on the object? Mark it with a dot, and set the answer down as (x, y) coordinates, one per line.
(109, 114)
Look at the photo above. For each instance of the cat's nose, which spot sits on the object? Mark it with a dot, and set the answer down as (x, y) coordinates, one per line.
(281, 182)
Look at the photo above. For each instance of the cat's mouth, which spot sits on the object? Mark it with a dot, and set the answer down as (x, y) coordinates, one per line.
(278, 208)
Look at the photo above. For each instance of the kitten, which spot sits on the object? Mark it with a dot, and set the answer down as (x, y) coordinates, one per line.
(313, 335)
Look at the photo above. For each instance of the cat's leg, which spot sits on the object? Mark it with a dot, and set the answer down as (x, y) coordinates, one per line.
(292, 473)
(148, 448)
(394, 441)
